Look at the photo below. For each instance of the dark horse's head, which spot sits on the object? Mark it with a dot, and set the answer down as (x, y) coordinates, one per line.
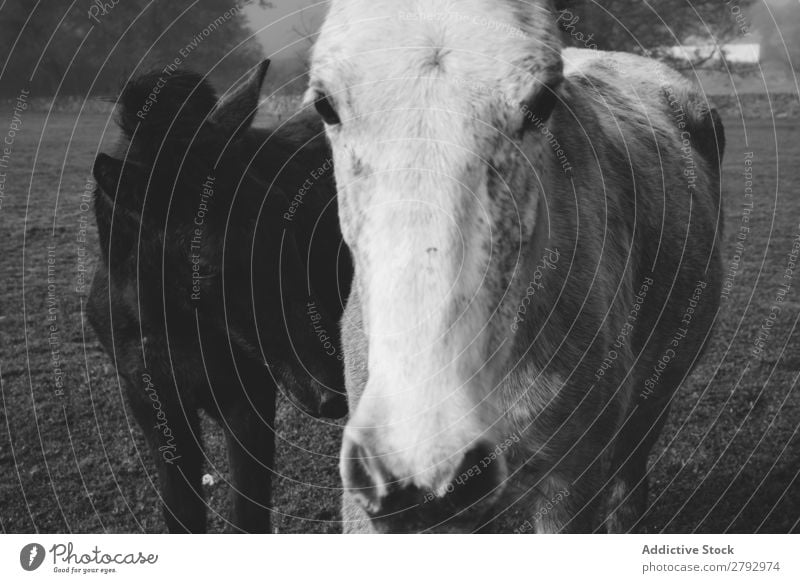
(222, 228)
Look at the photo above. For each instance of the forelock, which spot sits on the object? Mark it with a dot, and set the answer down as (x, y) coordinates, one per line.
(159, 106)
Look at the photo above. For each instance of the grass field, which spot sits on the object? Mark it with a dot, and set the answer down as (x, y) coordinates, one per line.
(72, 459)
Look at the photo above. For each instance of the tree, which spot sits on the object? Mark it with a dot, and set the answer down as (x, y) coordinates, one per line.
(650, 26)
(74, 48)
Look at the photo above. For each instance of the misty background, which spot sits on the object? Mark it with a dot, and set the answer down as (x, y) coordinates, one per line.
(83, 48)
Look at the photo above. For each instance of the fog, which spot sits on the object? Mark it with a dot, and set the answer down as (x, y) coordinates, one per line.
(776, 25)
(286, 31)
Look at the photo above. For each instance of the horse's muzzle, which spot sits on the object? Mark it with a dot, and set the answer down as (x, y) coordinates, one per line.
(398, 505)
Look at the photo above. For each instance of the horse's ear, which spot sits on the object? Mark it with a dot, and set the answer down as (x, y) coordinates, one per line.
(235, 110)
(545, 94)
(544, 101)
(107, 172)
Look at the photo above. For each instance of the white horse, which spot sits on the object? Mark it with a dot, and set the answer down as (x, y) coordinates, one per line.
(536, 240)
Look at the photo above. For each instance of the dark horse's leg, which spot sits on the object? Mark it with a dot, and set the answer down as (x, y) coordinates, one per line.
(172, 432)
(169, 423)
(251, 449)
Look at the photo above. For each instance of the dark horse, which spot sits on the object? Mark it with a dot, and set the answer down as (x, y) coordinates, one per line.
(221, 256)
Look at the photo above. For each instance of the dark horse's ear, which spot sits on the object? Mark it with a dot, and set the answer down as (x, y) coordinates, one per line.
(107, 172)
(235, 111)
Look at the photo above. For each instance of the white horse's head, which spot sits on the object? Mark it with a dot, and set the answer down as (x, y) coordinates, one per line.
(426, 104)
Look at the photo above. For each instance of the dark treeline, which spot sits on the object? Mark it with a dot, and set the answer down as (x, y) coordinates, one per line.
(89, 47)
(641, 25)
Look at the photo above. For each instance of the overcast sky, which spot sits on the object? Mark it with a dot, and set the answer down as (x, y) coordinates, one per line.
(276, 28)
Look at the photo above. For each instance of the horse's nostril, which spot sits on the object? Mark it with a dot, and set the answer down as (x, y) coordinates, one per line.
(399, 506)
(478, 479)
(363, 475)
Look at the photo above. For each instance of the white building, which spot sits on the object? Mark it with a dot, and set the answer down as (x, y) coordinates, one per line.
(744, 53)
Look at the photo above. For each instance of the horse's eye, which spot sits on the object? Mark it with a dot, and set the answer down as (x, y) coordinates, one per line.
(326, 111)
